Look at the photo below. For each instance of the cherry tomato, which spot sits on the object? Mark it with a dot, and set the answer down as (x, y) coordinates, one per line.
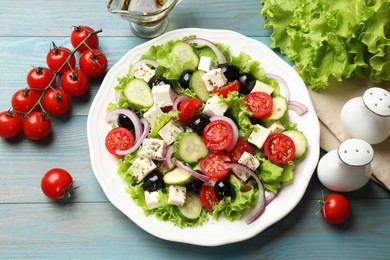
(208, 197)
(11, 124)
(37, 125)
(188, 109)
(24, 100)
(279, 148)
(218, 135)
(57, 184)
(55, 101)
(39, 78)
(259, 103)
(335, 208)
(75, 82)
(93, 63)
(229, 87)
(58, 56)
(213, 165)
(241, 147)
(119, 138)
(81, 32)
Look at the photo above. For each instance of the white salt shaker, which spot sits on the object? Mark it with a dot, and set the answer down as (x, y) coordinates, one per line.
(347, 168)
(368, 117)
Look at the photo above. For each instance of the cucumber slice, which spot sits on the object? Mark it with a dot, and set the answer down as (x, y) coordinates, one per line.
(192, 208)
(197, 85)
(138, 93)
(177, 176)
(279, 108)
(189, 147)
(300, 142)
(185, 55)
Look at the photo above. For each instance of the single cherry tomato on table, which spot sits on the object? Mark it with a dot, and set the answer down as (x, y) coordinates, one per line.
(188, 109)
(213, 165)
(229, 87)
(55, 101)
(57, 184)
(37, 125)
(208, 197)
(335, 208)
(279, 148)
(119, 138)
(93, 62)
(11, 124)
(38, 78)
(259, 103)
(81, 32)
(218, 135)
(75, 82)
(241, 146)
(57, 56)
(24, 100)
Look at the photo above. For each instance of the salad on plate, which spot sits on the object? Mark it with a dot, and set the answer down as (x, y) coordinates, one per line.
(200, 133)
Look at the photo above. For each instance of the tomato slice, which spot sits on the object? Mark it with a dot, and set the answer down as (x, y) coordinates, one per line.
(241, 146)
(259, 103)
(119, 138)
(229, 87)
(208, 197)
(213, 165)
(188, 109)
(279, 148)
(218, 135)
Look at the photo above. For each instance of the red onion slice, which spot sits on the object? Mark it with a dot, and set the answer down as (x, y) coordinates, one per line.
(234, 128)
(112, 115)
(269, 197)
(168, 152)
(138, 64)
(297, 107)
(259, 209)
(282, 83)
(138, 143)
(200, 42)
(197, 175)
(177, 100)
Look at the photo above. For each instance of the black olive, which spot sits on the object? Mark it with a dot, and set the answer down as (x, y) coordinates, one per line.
(161, 81)
(231, 72)
(247, 82)
(185, 77)
(153, 181)
(199, 122)
(125, 122)
(194, 185)
(223, 188)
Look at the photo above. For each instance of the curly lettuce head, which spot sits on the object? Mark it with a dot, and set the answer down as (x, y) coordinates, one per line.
(332, 38)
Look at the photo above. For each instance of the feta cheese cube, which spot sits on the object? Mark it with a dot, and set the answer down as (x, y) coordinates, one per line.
(144, 72)
(248, 160)
(262, 87)
(259, 135)
(276, 127)
(163, 95)
(153, 148)
(153, 113)
(151, 199)
(206, 63)
(141, 167)
(214, 108)
(214, 79)
(169, 132)
(177, 195)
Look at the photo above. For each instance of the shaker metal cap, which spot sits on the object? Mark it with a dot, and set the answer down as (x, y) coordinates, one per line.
(356, 152)
(377, 100)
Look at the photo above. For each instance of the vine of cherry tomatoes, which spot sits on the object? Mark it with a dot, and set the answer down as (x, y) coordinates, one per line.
(50, 87)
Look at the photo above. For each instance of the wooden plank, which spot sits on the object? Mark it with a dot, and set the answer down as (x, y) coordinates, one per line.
(95, 230)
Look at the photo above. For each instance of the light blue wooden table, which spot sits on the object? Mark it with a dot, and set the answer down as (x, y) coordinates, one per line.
(32, 226)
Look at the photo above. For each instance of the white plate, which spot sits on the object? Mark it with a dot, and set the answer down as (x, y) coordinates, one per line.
(213, 232)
